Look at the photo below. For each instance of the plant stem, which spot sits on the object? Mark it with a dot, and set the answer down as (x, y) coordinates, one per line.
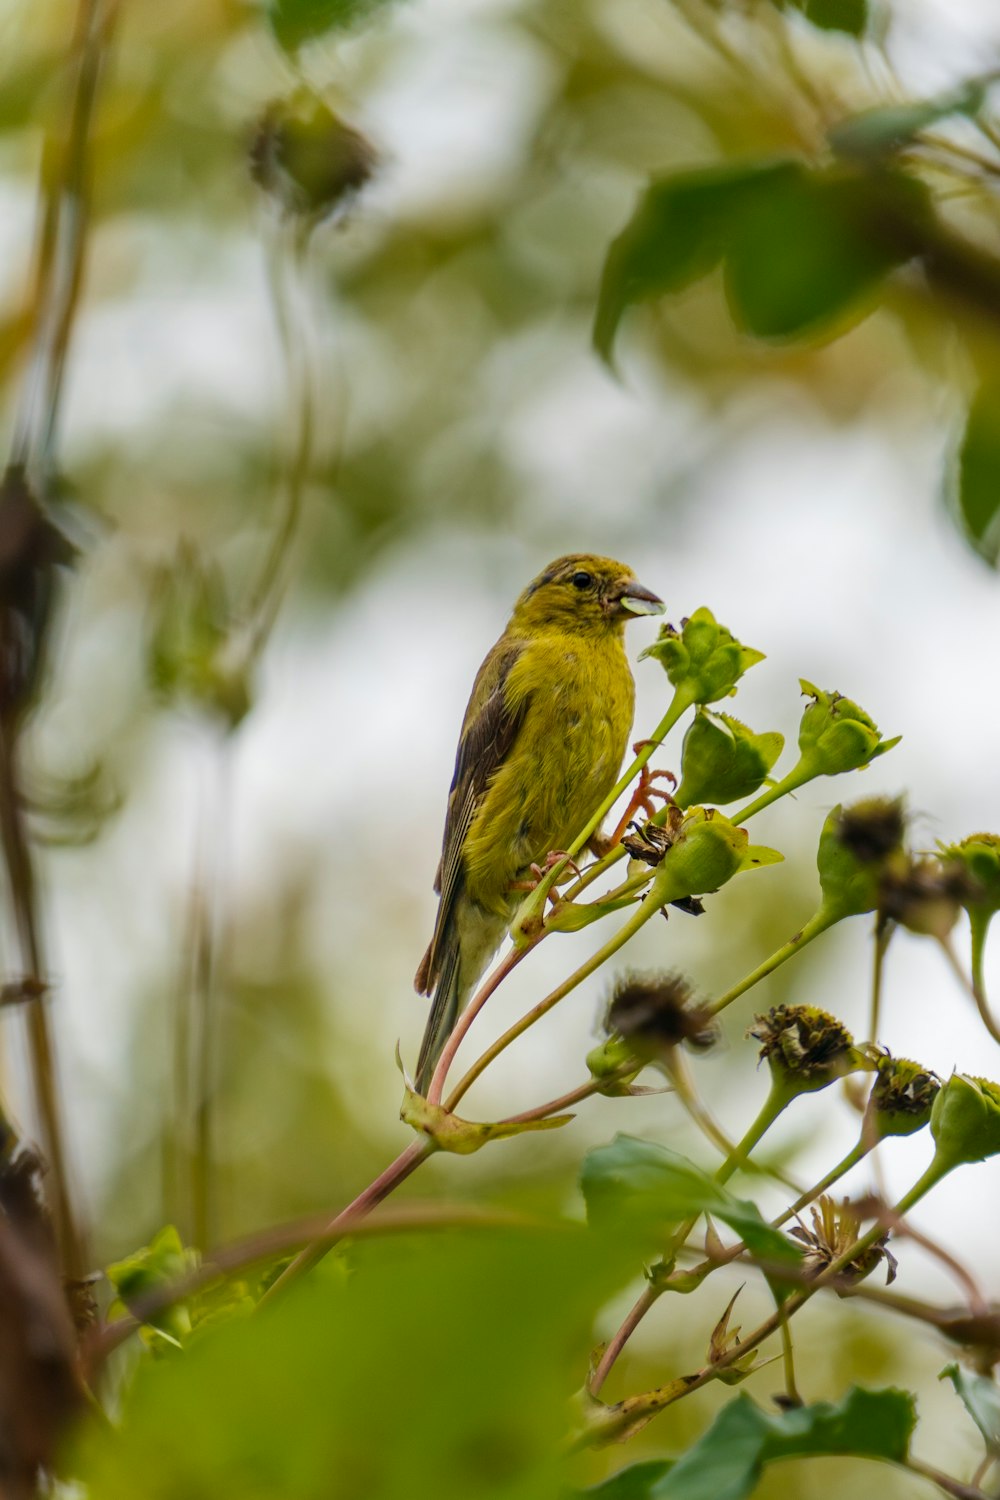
(469, 1014)
(649, 1296)
(556, 1106)
(857, 1153)
(647, 908)
(777, 1100)
(385, 1183)
(817, 923)
(883, 933)
(788, 1362)
(797, 777)
(979, 922)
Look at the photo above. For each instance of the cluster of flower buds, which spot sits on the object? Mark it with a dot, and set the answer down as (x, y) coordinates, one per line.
(703, 659)
(697, 854)
(723, 761)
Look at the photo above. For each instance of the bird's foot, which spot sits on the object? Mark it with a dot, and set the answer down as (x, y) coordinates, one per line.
(643, 799)
(540, 871)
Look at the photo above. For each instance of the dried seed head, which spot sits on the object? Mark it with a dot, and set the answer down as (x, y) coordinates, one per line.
(901, 1097)
(805, 1047)
(835, 1228)
(924, 895)
(873, 828)
(655, 1012)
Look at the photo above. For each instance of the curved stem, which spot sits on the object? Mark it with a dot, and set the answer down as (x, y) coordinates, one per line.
(797, 777)
(646, 909)
(972, 988)
(469, 1014)
(777, 1100)
(883, 933)
(615, 1345)
(817, 923)
(385, 1183)
(556, 1106)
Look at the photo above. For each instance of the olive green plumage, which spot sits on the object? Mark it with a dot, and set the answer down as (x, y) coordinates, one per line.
(542, 744)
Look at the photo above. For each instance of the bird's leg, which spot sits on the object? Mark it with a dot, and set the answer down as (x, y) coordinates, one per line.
(643, 798)
(539, 872)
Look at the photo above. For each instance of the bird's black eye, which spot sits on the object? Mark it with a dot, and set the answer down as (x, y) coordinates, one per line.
(582, 580)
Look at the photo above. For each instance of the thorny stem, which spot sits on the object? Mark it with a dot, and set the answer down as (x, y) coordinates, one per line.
(385, 1183)
(817, 923)
(647, 908)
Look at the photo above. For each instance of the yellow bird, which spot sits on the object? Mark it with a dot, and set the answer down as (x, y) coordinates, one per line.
(542, 744)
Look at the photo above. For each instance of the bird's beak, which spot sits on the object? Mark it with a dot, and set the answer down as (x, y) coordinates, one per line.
(640, 601)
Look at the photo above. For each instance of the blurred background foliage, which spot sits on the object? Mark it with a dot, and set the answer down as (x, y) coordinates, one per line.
(778, 223)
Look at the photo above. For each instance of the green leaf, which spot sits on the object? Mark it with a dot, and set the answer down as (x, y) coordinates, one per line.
(879, 131)
(810, 247)
(978, 496)
(295, 22)
(678, 234)
(836, 15)
(638, 1185)
(727, 1461)
(634, 1483)
(440, 1365)
(981, 1398)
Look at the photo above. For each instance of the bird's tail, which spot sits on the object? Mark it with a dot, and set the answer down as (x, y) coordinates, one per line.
(445, 1008)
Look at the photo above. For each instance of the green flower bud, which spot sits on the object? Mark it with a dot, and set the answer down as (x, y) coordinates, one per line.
(854, 846)
(901, 1098)
(703, 660)
(724, 761)
(806, 1048)
(706, 852)
(307, 158)
(615, 1065)
(979, 856)
(836, 735)
(965, 1122)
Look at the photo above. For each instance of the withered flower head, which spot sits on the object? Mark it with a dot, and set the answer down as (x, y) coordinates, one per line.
(835, 1228)
(655, 1012)
(924, 895)
(806, 1048)
(902, 1095)
(873, 828)
(650, 841)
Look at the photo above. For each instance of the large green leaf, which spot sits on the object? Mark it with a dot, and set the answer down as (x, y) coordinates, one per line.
(727, 1461)
(978, 497)
(981, 1399)
(836, 15)
(804, 249)
(639, 1186)
(634, 1483)
(678, 233)
(295, 22)
(440, 1364)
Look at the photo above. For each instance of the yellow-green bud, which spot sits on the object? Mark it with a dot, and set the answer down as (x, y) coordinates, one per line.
(307, 158)
(724, 761)
(979, 856)
(703, 659)
(836, 735)
(706, 852)
(806, 1048)
(901, 1098)
(615, 1065)
(854, 846)
(965, 1121)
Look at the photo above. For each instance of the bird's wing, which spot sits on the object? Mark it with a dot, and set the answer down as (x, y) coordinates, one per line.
(488, 734)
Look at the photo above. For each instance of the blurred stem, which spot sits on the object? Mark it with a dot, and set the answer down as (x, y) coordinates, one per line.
(24, 900)
(883, 933)
(677, 1070)
(407, 1162)
(777, 1100)
(647, 908)
(196, 1081)
(979, 923)
(788, 1361)
(58, 272)
(817, 923)
(797, 777)
(970, 985)
(556, 1106)
(469, 1014)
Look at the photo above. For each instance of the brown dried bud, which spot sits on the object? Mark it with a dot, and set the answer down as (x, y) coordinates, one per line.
(924, 895)
(806, 1047)
(836, 1227)
(873, 828)
(309, 159)
(655, 1012)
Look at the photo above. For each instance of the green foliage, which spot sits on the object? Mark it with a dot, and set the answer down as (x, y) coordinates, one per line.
(850, 16)
(727, 1462)
(804, 249)
(981, 1398)
(295, 22)
(978, 497)
(638, 1188)
(353, 1386)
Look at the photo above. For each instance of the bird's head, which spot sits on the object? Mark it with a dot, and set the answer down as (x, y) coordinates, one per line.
(585, 594)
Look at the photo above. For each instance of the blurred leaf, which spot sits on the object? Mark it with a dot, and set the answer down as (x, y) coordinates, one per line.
(678, 234)
(160, 1263)
(979, 473)
(801, 246)
(836, 15)
(875, 132)
(808, 247)
(634, 1483)
(448, 1356)
(981, 1398)
(639, 1184)
(295, 22)
(727, 1461)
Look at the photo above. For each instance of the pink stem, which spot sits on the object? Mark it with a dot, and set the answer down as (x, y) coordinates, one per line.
(466, 1019)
